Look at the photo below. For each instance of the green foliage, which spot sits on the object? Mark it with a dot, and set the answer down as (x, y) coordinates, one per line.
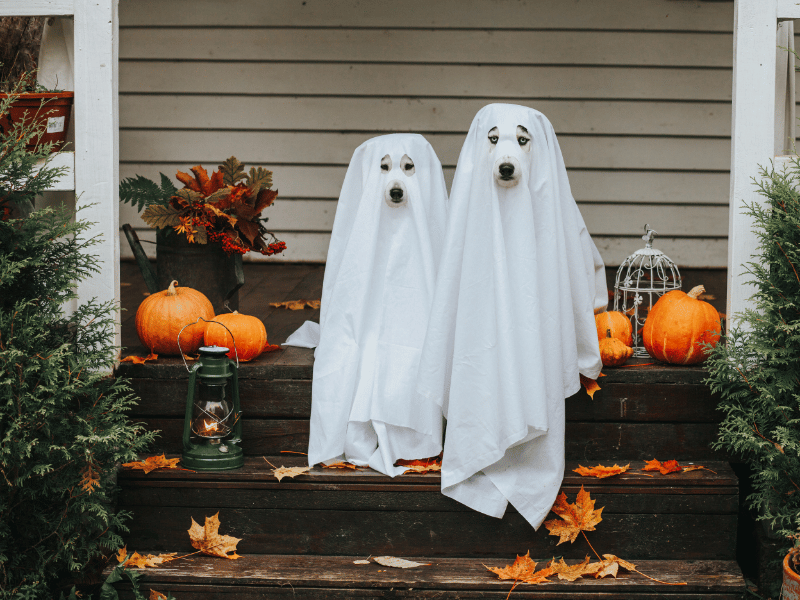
(757, 371)
(107, 591)
(142, 192)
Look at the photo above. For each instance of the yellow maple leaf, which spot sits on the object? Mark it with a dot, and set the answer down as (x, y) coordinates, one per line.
(611, 565)
(151, 463)
(575, 518)
(290, 472)
(143, 561)
(573, 572)
(139, 360)
(522, 567)
(600, 471)
(697, 468)
(590, 385)
(340, 465)
(210, 542)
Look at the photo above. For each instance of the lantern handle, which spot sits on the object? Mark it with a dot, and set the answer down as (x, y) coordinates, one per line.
(183, 356)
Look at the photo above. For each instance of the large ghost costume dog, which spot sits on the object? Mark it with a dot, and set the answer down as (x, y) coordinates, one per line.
(376, 298)
(512, 325)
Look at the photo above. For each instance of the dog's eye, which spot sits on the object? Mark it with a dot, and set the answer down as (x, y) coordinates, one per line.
(523, 140)
(386, 163)
(384, 167)
(407, 165)
(493, 139)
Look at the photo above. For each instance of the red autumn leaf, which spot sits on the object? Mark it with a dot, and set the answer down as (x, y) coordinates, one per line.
(600, 471)
(264, 199)
(188, 181)
(216, 181)
(249, 229)
(421, 465)
(670, 466)
(270, 347)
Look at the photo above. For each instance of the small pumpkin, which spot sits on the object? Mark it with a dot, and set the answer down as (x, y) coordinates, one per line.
(617, 323)
(678, 325)
(162, 315)
(613, 352)
(249, 333)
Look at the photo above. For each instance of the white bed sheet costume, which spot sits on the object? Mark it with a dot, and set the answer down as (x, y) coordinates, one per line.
(512, 324)
(376, 297)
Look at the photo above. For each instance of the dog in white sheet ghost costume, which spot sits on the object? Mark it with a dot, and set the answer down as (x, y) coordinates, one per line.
(512, 324)
(376, 297)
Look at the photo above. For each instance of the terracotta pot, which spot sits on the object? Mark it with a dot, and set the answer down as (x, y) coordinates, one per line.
(54, 114)
(791, 582)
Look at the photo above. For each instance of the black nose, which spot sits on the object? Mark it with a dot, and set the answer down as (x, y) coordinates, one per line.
(396, 194)
(506, 170)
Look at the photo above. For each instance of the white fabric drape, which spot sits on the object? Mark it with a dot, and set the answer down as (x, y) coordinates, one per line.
(512, 323)
(376, 298)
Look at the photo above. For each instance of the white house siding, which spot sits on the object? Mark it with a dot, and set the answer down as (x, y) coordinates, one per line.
(638, 91)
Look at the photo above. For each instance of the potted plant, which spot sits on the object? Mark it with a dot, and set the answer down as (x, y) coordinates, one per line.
(204, 228)
(756, 372)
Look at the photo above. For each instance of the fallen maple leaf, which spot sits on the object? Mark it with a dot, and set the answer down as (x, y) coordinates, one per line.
(210, 542)
(340, 465)
(143, 561)
(151, 463)
(670, 466)
(600, 471)
(154, 595)
(611, 565)
(420, 465)
(590, 385)
(697, 468)
(290, 472)
(577, 517)
(522, 567)
(270, 347)
(297, 304)
(139, 360)
(573, 572)
(398, 563)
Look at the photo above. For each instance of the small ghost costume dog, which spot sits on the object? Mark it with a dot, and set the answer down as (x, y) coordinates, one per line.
(376, 298)
(512, 325)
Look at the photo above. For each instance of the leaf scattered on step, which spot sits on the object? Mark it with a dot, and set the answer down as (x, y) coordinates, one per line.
(143, 561)
(522, 570)
(574, 572)
(210, 542)
(577, 517)
(360, 562)
(151, 463)
(398, 563)
(154, 595)
(90, 478)
(421, 465)
(590, 385)
(297, 304)
(271, 347)
(600, 471)
(290, 472)
(697, 468)
(340, 465)
(139, 360)
(611, 565)
(670, 466)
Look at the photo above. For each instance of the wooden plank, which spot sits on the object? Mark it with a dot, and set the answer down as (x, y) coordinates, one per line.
(389, 115)
(658, 15)
(401, 533)
(401, 81)
(699, 253)
(280, 148)
(37, 8)
(441, 46)
(788, 9)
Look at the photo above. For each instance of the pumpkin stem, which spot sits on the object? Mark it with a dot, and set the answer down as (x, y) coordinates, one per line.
(608, 333)
(172, 291)
(236, 312)
(696, 291)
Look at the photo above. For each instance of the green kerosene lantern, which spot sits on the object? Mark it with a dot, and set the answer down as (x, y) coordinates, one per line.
(212, 428)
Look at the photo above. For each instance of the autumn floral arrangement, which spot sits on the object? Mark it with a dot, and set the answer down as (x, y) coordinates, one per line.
(223, 208)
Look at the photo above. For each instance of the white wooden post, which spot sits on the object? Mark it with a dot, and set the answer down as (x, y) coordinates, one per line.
(97, 141)
(763, 122)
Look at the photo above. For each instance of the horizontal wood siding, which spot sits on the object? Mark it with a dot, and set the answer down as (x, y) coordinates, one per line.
(638, 92)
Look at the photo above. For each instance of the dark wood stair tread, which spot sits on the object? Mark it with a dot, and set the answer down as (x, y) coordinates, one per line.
(258, 571)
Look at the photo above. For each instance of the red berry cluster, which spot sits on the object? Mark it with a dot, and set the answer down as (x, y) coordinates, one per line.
(229, 245)
(274, 248)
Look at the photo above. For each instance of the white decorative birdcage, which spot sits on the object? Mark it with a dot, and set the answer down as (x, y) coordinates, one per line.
(641, 280)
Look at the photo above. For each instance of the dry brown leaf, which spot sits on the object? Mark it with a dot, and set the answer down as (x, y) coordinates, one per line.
(670, 466)
(90, 478)
(154, 595)
(290, 472)
(575, 518)
(590, 385)
(340, 465)
(210, 542)
(421, 465)
(297, 304)
(611, 565)
(143, 561)
(697, 468)
(600, 471)
(398, 563)
(139, 360)
(573, 572)
(151, 463)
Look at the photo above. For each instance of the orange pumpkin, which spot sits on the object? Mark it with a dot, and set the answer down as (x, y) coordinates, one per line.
(162, 315)
(249, 333)
(616, 322)
(613, 352)
(678, 325)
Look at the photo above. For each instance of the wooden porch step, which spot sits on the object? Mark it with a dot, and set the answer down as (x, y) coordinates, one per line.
(260, 576)
(334, 512)
(641, 412)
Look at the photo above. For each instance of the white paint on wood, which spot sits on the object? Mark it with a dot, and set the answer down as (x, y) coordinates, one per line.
(753, 127)
(788, 9)
(65, 160)
(36, 8)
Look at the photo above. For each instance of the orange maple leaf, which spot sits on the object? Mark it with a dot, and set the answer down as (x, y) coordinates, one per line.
(420, 465)
(210, 542)
(575, 518)
(340, 465)
(143, 561)
(189, 181)
(670, 466)
(139, 360)
(590, 385)
(297, 304)
(270, 347)
(154, 595)
(573, 572)
(600, 471)
(151, 463)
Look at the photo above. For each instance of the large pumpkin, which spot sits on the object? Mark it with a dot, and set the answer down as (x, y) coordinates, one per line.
(617, 324)
(162, 315)
(249, 333)
(678, 325)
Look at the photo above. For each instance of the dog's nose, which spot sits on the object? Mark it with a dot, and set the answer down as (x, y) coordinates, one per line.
(506, 170)
(396, 194)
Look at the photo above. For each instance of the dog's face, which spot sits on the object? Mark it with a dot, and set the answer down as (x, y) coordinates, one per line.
(394, 171)
(511, 149)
